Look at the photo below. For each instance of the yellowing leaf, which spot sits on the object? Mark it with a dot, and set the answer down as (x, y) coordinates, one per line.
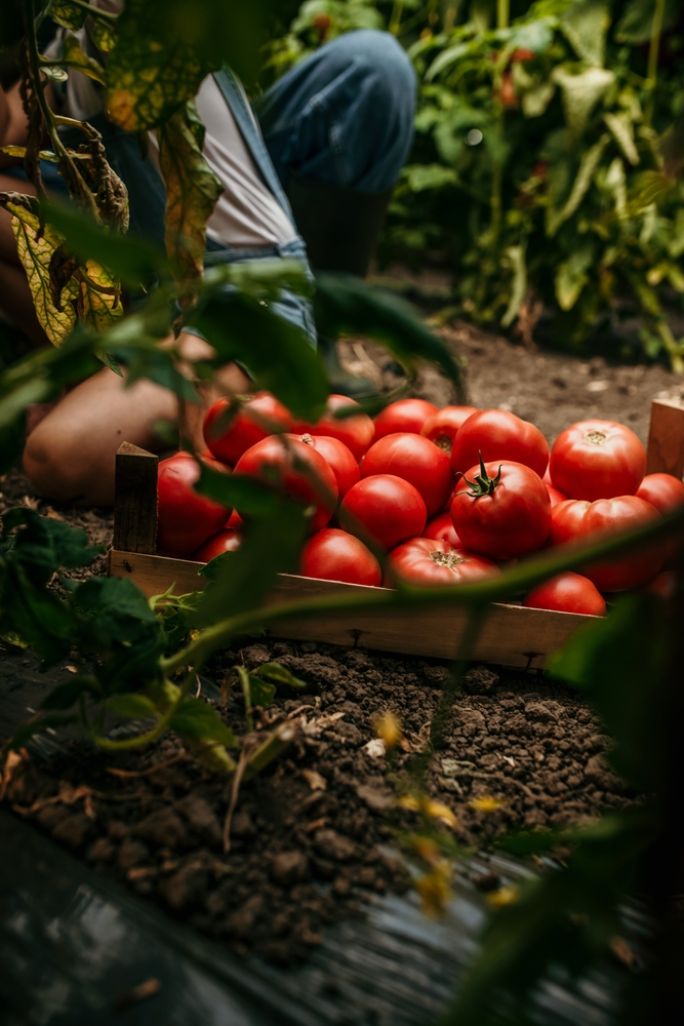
(388, 729)
(35, 249)
(428, 807)
(486, 803)
(434, 889)
(100, 297)
(192, 189)
(503, 897)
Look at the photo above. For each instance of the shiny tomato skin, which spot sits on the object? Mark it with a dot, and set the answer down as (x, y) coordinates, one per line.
(664, 491)
(580, 519)
(513, 521)
(384, 509)
(260, 416)
(569, 593)
(336, 555)
(441, 528)
(274, 460)
(417, 460)
(224, 541)
(597, 459)
(340, 459)
(443, 426)
(356, 431)
(430, 561)
(403, 415)
(185, 518)
(499, 435)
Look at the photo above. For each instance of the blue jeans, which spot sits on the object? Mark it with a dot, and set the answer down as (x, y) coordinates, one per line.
(343, 116)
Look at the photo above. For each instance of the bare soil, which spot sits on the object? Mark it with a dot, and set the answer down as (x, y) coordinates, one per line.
(315, 835)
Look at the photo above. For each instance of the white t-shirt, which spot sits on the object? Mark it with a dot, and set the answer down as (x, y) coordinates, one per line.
(247, 213)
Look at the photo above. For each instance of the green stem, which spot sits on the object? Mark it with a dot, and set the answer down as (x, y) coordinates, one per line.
(653, 53)
(94, 12)
(503, 13)
(155, 732)
(520, 578)
(395, 17)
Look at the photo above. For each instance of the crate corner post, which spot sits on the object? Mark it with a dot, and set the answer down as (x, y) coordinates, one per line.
(135, 502)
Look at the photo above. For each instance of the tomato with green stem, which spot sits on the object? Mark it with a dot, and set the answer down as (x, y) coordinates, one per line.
(501, 510)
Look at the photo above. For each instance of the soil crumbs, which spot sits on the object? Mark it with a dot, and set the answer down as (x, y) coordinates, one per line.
(315, 835)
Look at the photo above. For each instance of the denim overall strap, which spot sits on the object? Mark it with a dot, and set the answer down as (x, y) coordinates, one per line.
(234, 96)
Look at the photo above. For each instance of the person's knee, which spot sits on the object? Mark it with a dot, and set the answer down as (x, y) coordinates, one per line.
(393, 76)
(57, 464)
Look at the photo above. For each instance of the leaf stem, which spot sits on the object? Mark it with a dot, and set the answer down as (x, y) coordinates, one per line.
(94, 12)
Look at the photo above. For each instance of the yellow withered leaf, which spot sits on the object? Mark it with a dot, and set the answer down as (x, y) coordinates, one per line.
(428, 807)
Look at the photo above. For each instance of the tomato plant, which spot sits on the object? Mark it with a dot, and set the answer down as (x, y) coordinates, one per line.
(384, 508)
(335, 555)
(580, 519)
(228, 435)
(294, 467)
(403, 415)
(597, 459)
(568, 593)
(416, 459)
(501, 510)
(185, 518)
(441, 427)
(434, 561)
(499, 435)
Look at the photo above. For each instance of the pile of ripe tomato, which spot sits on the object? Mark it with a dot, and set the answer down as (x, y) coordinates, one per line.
(426, 495)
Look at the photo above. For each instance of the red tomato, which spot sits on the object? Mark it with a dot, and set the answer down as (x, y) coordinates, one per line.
(335, 555)
(501, 510)
(227, 438)
(224, 541)
(664, 491)
(663, 585)
(507, 93)
(301, 473)
(415, 459)
(403, 415)
(441, 528)
(579, 519)
(597, 459)
(385, 509)
(355, 431)
(185, 519)
(340, 459)
(554, 495)
(428, 561)
(522, 55)
(569, 593)
(234, 522)
(441, 427)
(499, 435)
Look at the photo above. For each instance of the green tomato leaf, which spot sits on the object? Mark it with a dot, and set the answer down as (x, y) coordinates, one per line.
(67, 694)
(196, 720)
(581, 92)
(131, 707)
(585, 26)
(344, 305)
(279, 675)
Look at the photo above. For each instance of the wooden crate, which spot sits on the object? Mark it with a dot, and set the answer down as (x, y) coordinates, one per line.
(512, 635)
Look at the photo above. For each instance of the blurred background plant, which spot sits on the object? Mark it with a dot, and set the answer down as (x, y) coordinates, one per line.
(537, 178)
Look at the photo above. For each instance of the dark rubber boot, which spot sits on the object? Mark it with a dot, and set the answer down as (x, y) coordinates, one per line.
(340, 227)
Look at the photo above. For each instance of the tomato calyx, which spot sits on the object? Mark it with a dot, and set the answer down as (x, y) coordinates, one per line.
(448, 559)
(483, 484)
(596, 437)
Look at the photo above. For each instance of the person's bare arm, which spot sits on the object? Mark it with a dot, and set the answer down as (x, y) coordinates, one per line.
(13, 122)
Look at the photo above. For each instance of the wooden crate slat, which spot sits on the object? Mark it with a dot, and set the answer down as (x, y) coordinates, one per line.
(512, 635)
(665, 450)
(135, 499)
